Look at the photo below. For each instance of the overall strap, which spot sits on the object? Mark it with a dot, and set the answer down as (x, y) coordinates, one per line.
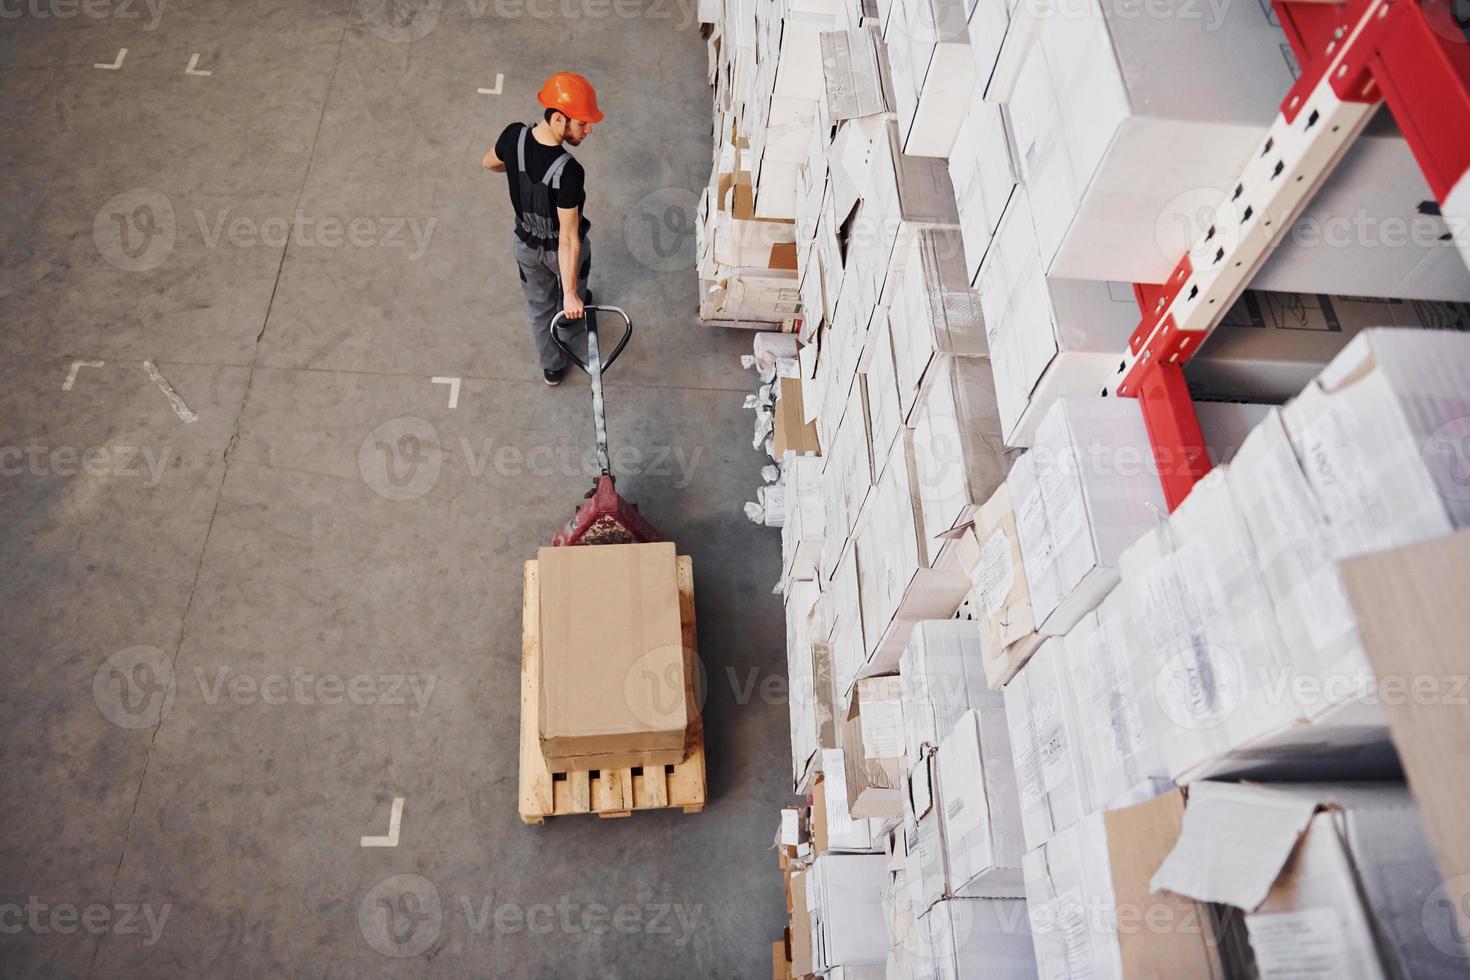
(553, 172)
(521, 149)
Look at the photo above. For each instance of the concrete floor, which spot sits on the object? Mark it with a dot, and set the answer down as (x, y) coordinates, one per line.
(229, 645)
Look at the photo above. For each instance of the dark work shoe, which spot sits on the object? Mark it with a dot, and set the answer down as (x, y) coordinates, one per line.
(553, 378)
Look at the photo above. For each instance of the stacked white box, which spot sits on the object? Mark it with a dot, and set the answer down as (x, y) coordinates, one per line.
(1082, 495)
(942, 678)
(935, 312)
(806, 741)
(804, 532)
(959, 456)
(1048, 337)
(1051, 766)
(984, 180)
(1116, 709)
(844, 898)
(1119, 118)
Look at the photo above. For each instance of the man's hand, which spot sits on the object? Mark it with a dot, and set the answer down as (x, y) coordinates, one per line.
(572, 304)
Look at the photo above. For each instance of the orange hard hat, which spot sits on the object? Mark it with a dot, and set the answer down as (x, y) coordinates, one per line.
(571, 95)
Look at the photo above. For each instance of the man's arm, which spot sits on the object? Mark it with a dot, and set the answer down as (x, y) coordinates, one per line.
(569, 258)
(493, 162)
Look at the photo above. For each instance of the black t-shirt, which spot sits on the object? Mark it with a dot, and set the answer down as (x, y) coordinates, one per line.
(539, 157)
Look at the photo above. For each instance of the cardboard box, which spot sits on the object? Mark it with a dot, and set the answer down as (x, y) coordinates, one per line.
(610, 623)
(1116, 710)
(844, 894)
(1271, 345)
(981, 822)
(1413, 617)
(937, 69)
(1334, 880)
(1048, 337)
(959, 457)
(900, 586)
(847, 477)
(935, 312)
(855, 69)
(971, 937)
(1229, 690)
(848, 640)
(880, 391)
(998, 576)
(792, 432)
(872, 743)
(754, 298)
(780, 965)
(1082, 495)
(1292, 541)
(806, 518)
(1117, 115)
(984, 179)
(807, 720)
(1051, 767)
(940, 680)
(964, 839)
(801, 926)
(1092, 909)
(1379, 433)
(833, 828)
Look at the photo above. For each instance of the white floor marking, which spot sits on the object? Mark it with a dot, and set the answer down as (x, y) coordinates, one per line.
(194, 68)
(499, 81)
(71, 376)
(453, 384)
(395, 816)
(180, 409)
(121, 54)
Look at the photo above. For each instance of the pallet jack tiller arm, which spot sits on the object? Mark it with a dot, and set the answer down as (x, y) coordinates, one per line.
(604, 517)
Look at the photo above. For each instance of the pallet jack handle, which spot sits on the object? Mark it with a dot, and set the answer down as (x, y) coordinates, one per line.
(594, 367)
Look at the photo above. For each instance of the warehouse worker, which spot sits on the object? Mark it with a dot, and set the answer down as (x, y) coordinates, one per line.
(547, 192)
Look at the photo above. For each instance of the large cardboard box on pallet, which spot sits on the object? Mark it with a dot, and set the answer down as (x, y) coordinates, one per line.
(1334, 880)
(1093, 912)
(613, 663)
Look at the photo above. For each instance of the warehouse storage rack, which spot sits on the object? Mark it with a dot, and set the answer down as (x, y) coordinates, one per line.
(1413, 55)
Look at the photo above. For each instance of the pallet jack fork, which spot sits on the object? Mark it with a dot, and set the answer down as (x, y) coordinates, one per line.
(603, 517)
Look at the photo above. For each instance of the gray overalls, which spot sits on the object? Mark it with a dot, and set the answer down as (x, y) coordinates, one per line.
(539, 270)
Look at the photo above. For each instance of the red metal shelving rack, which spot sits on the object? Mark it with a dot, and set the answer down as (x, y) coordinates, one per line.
(1413, 55)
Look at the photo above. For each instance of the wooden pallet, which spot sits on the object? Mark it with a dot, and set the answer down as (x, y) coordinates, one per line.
(613, 792)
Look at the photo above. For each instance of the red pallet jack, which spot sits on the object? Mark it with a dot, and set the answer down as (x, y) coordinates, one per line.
(604, 517)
